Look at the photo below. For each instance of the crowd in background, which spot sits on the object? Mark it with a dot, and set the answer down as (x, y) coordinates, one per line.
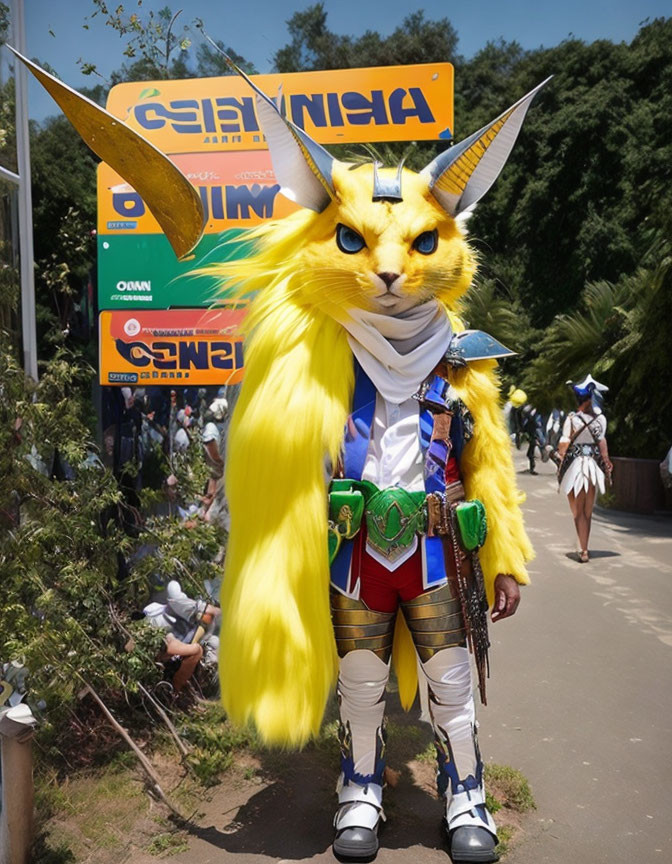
(149, 431)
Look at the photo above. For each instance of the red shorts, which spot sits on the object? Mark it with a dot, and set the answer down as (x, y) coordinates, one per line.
(382, 589)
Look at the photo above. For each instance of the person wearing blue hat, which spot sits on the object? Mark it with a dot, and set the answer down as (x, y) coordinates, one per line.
(584, 456)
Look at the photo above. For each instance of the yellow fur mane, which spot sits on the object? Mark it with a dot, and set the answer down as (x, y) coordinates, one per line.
(278, 660)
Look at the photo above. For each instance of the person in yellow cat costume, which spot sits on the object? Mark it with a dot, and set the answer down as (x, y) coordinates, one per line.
(357, 376)
(368, 434)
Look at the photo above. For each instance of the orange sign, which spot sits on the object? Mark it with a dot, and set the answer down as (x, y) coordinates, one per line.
(390, 103)
(238, 190)
(186, 346)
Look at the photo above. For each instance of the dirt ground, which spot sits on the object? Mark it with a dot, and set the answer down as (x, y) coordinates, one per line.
(269, 806)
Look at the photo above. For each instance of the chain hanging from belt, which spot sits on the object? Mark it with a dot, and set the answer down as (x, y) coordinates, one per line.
(471, 593)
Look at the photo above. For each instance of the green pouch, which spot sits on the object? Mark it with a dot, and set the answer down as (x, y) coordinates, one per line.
(346, 509)
(472, 524)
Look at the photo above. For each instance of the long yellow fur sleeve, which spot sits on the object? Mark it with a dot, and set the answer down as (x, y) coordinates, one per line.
(277, 653)
(487, 470)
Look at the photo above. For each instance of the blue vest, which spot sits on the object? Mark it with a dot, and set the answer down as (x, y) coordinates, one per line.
(355, 448)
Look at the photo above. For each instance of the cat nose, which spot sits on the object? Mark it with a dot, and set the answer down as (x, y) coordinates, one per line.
(388, 278)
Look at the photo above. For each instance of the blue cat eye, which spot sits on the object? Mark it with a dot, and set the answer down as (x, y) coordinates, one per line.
(427, 242)
(349, 241)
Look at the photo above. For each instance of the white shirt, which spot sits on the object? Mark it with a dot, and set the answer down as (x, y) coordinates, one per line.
(394, 457)
(577, 421)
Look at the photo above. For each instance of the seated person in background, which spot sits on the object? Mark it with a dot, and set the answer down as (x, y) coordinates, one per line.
(186, 622)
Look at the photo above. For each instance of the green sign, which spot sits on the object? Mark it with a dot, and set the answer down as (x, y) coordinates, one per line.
(141, 271)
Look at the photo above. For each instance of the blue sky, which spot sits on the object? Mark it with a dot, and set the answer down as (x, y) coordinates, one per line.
(257, 28)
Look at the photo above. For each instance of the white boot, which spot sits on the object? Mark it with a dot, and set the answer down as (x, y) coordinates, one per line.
(472, 834)
(361, 688)
(357, 819)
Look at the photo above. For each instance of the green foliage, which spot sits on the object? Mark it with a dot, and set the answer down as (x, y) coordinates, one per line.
(94, 810)
(64, 221)
(155, 43)
(185, 551)
(510, 787)
(504, 835)
(487, 306)
(621, 333)
(590, 172)
(8, 156)
(213, 741)
(9, 286)
(58, 552)
(4, 22)
(169, 843)
(491, 802)
(66, 608)
(158, 46)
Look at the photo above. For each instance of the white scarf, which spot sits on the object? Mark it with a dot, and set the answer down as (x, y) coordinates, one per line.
(398, 352)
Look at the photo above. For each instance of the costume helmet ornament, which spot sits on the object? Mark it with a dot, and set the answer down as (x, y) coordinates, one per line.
(591, 389)
(517, 397)
(178, 211)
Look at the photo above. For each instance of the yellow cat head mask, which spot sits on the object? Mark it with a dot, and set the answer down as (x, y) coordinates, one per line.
(377, 238)
(384, 239)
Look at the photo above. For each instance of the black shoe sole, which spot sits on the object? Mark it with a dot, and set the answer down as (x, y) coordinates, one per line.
(463, 859)
(344, 853)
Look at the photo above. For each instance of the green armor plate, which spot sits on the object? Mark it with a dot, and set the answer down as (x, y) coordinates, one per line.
(393, 518)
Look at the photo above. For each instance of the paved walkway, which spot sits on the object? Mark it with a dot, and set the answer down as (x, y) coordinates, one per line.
(580, 701)
(581, 695)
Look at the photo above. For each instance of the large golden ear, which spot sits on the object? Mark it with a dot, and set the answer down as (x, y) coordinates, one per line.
(169, 195)
(461, 176)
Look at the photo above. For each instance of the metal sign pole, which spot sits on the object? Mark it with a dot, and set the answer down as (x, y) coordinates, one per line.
(25, 199)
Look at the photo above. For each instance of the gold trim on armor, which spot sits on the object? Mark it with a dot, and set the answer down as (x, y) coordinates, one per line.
(445, 623)
(357, 627)
(426, 652)
(430, 616)
(356, 617)
(438, 637)
(372, 643)
(432, 610)
(362, 631)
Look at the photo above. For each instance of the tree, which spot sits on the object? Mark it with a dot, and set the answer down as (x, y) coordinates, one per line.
(619, 333)
(572, 205)
(158, 46)
(313, 46)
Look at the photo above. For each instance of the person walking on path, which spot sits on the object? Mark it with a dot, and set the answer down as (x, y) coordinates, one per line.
(584, 457)
(532, 428)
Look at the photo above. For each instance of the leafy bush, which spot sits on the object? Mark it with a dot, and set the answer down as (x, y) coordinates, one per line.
(66, 597)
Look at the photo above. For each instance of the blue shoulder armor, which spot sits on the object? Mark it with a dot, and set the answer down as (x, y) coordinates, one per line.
(474, 345)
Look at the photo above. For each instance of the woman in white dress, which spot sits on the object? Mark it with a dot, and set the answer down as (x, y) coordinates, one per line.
(585, 457)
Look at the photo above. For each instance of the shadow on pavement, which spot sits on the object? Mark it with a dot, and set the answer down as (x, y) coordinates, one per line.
(597, 553)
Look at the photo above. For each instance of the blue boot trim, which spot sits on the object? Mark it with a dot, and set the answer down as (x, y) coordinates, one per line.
(348, 764)
(447, 776)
